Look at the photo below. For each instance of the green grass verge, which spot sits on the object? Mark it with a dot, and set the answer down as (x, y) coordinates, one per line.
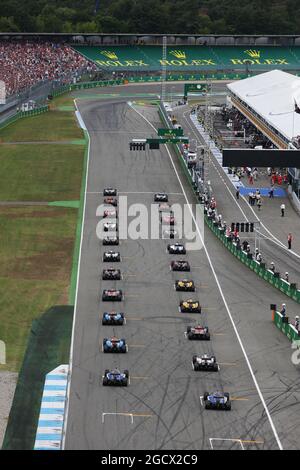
(48, 347)
(40, 172)
(51, 127)
(36, 248)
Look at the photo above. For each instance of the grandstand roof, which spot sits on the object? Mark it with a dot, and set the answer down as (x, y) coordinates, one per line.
(272, 96)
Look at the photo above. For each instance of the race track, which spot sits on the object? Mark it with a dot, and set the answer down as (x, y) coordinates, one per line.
(161, 408)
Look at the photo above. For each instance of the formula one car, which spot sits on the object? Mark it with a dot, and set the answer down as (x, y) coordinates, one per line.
(113, 201)
(111, 274)
(115, 377)
(113, 318)
(185, 285)
(170, 233)
(161, 197)
(163, 207)
(114, 345)
(111, 256)
(109, 192)
(180, 265)
(168, 219)
(110, 213)
(190, 306)
(113, 295)
(217, 401)
(205, 363)
(110, 240)
(176, 249)
(110, 227)
(198, 333)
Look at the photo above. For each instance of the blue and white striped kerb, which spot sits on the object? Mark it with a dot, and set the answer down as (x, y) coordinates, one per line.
(50, 425)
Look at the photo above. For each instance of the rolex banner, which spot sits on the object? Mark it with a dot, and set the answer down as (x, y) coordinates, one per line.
(197, 58)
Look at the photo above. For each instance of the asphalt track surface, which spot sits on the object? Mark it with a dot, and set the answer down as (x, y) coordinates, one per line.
(161, 408)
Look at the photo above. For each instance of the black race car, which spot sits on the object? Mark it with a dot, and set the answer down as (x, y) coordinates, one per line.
(110, 227)
(205, 363)
(185, 285)
(161, 197)
(115, 377)
(113, 201)
(111, 274)
(110, 213)
(114, 345)
(190, 306)
(112, 295)
(113, 318)
(180, 265)
(110, 240)
(111, 257)
(109, 192)
(198, 333)
(170, 233)
(217, 401)
(176, 249)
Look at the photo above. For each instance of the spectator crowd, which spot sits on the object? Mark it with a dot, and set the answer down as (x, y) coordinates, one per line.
(26, 63)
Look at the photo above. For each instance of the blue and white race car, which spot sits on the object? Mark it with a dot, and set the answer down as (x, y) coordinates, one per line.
(115, 377)
(114, 345)
(217, 401)
(113, 318)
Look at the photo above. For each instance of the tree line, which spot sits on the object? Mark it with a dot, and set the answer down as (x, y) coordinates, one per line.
(151, 16)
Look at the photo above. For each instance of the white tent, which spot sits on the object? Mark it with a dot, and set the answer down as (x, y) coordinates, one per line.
(272, 96)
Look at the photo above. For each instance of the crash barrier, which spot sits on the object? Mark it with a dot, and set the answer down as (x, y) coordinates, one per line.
(284, 325)
(48, 346)
(289, 289)
(51, 420)
(22, 114)
(85, 86)
(273, 278)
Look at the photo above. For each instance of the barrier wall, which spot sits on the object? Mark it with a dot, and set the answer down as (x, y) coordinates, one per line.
(284, 326)
(21, 114)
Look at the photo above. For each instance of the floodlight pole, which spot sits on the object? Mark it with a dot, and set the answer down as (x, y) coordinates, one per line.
(164, 70)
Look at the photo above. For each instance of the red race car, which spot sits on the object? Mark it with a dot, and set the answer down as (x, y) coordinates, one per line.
(168, 219)
(113, 201)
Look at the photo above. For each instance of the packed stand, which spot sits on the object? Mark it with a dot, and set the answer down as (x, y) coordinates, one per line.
(24, 64)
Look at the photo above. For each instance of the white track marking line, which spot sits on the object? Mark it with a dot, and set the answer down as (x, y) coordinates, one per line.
(76, 295)
(221, 439)
(273, 239)
(222, 295)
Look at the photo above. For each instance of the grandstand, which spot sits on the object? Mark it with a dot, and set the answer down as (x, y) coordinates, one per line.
(141, 58)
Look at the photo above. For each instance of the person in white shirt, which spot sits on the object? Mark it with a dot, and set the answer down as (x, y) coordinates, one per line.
(282, 208)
